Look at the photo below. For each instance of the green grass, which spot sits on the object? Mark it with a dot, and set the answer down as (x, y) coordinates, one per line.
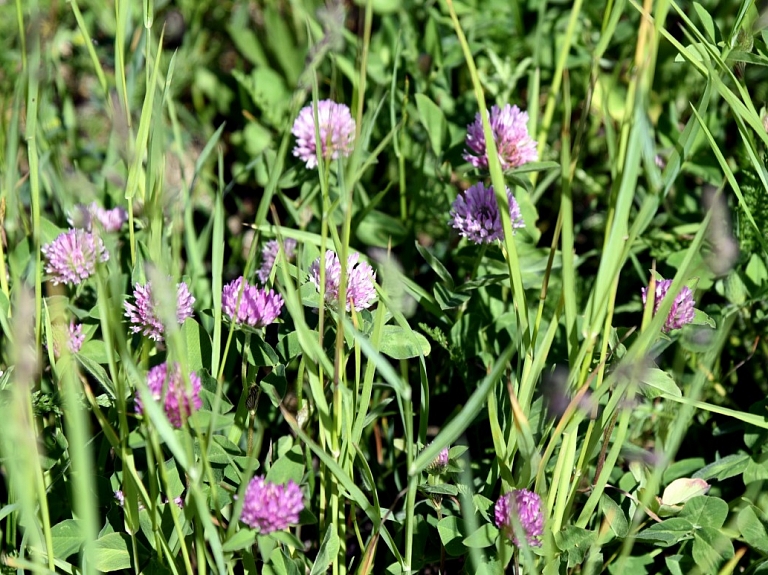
(533, 358)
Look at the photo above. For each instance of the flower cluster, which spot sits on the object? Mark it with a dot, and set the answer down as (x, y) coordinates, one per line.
(476, 214)
(440, 463)
(269, 507)
(179, 401)
(336, 129)
(510, 133)
(71, 257)
(70, 336)
(257, 307)
(682, 311)
(143, 312)
(269, 255)
(111, 220)
(526, 506)
(361, 291)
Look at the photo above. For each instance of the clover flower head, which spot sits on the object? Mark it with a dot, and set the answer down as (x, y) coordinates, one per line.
(526, 506)
(270, 507)
(111, 220)
(682, 311)
(361, 291)
(269, 254)
(476, 214)
(258, 307)
(143, 312)
(71, 257)
(179, 401)
(336, 127)
(70, 335)
(514, 145)
(440, 463)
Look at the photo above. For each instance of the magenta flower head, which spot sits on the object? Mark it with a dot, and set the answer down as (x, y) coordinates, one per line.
(476, 214)
(269, 507)
(510, 132)
(111, 220)
(258, 307)
(361, 292)
(682, 309)
(526, 506)
(70, 336)
(337, 132)
(179, 401)
(143, 312)
(440, 463)
(71, 258)
(269, 255)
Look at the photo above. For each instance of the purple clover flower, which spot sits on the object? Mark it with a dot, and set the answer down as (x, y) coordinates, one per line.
(111, 220)
(510, 132)
(682, 312)
(179, 401)
(476, 214)
(337, 132)
(269, 254)
(269, 507)
(71, 336)
(440, 463)
(526, 505)
(361, 292)
(71, 258)
(142, 313)
(258, 307)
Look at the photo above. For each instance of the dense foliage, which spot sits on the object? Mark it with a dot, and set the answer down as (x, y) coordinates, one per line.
(391, 287)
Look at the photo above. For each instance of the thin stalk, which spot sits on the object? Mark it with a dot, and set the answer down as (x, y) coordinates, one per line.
(33, 95)
(557, 78)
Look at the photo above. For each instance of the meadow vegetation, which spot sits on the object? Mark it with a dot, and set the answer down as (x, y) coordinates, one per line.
(389, 286)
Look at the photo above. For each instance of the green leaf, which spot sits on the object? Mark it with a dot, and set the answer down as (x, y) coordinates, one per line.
(282, 563)
(614, 516)
(666, 533)
(98, 373)
(439, 489)
(673, 564)
(67, 538)
(399, 343)
(751, 524)
(657, 382)
(95, 350)
(288, 467)
(705, 511)
(755, 471)
(630, 565)
(436, 265)
(275, 385)
(575, 541)
(260, 353)
(485, 536)
(433, 119)
(198, 344)
(448, 299)
(329, 549)
(710, 549)
(706, 20)
(240, 540)
(109, 553)
(451, 531)
(380, 230)
(728, 466)
(700, 318)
